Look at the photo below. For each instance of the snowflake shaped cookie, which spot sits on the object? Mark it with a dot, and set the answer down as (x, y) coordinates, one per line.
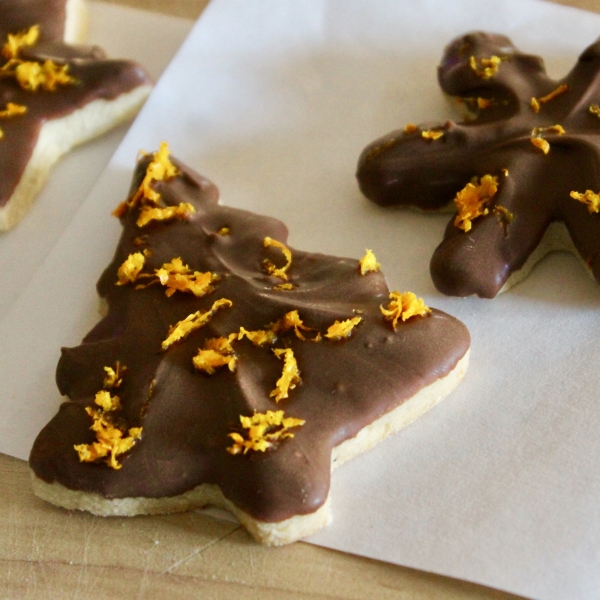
(523, 170)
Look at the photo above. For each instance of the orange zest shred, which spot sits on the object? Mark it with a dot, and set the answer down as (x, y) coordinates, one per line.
(342, 329)
(432, 134)
(557, 129)
(110, 442)
(269, 267)
(47, 75)
(483, 103)
(487, 67)
(290, 376)
(176, 276)
(471, 201)
(284, 287)
(184, 210)
(595, 110)
(404, 306)
(160, 169)
(130, 269)
(107, 402)
(410, 128)
(217, 352)
(12, 110)
(537, 102)
(504, 216)
(368, 263)
(541, 143)
(377, 150)
(223, 231)
(16, 41)
(259, 337)
(114, 377)
(292, 320)
(32, 75)
(263, 431)
(192, 322)
(589, 198)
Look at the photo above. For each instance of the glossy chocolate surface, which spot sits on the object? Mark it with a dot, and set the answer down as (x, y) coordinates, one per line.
(97, 78)
(406, 169)
(187, 415)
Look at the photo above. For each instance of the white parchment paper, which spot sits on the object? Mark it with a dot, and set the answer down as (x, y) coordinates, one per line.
(123, 33)
(274, 101)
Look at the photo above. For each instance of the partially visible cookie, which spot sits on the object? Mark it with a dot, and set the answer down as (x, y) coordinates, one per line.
(53, 96)
(233, 370)
(523, 172)
(60, 20)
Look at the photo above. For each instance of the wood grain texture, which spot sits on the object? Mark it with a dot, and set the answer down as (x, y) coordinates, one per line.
(49, 553)
(192, 9)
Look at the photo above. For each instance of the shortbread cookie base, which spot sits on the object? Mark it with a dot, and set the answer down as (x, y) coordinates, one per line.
(555, 239)
(59, 136)
(272, 534)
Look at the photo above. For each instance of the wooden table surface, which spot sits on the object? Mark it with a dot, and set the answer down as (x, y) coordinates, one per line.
(46, 552)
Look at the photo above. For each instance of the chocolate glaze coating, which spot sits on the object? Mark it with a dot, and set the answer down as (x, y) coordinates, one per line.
(186, 415)
(98, 78)
(19, 15)
(405, 169)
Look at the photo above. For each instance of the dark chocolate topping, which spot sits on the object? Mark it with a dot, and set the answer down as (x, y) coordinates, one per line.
(187, 415)
(405, 169)
(19, 15)
(96, 77)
